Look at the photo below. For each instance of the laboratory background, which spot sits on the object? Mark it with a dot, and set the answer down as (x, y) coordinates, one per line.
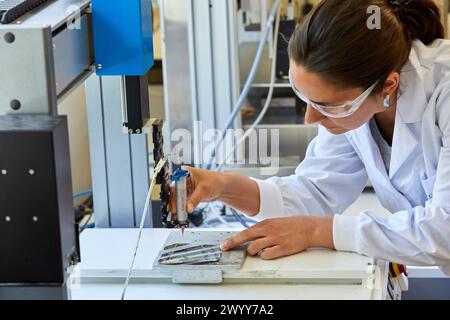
(102, 103)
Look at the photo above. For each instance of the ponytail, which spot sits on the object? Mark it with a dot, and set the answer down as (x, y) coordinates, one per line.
(421, 19)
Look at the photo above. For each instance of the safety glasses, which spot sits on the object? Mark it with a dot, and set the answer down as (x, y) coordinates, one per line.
(335, 111)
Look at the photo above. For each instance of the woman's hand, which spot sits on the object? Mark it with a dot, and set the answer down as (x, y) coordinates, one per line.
(202, 186)
(275, 238)
(238, 192)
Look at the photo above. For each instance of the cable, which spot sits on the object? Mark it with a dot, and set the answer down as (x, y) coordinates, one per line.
(239, 218)
(263, 111)
(276, 9)
(87, 224)
(214, 214)
(269, 95)
(82, 194)
(156, 171)
(248, 83)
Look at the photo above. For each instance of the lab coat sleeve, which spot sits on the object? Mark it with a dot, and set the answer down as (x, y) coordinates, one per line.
(420, 236)
(330, 179)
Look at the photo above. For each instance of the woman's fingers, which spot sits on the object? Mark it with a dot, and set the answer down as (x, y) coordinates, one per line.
(190, 189)
(202, 186)
(274, 252)
(276, 238)
(257, 246)
(199, 194)
(245, 236)
(195, 195)
(198, 191)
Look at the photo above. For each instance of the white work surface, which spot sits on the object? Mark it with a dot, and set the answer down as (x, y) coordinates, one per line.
(106, 255)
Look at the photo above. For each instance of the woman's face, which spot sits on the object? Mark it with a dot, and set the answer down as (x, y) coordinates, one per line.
(317, 90)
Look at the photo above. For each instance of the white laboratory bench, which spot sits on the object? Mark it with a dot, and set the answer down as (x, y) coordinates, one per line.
(316, 274)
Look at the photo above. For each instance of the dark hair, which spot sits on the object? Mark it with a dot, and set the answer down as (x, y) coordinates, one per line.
(335, 41)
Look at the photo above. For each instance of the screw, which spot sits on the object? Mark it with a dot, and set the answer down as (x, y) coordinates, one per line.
(31, 172)
(9, 37)
(130, 130)
(100, 66)
(7, 218)
(4, 172)
(15, 104)
(138, 130)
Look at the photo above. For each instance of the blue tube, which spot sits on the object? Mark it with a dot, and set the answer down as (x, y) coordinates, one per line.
(82, 194)
(239, 218)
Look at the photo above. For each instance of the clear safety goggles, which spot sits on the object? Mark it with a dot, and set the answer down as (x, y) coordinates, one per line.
(335, 111)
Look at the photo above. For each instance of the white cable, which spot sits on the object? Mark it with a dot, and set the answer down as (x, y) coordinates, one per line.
(157, 170)
(269, 95)
(248, 83)
(268, 100)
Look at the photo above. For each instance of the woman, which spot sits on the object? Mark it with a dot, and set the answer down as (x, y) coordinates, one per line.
(382, 99)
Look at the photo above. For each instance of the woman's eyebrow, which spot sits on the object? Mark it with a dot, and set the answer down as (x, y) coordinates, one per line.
(316, 102)
(331, 104)
(322, 103)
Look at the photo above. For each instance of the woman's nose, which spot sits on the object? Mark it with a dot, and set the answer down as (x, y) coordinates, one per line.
(313, 116)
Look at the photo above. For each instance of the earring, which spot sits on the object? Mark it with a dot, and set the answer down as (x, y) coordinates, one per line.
(387, 101)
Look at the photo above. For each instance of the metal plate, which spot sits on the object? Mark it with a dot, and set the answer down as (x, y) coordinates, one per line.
(178, 254)
(27, 71)
(73, 53)
(201, 245)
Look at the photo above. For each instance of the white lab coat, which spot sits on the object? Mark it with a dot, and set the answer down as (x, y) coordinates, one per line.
(416, 189)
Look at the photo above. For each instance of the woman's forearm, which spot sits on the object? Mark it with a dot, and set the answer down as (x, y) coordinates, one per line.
(241, 193)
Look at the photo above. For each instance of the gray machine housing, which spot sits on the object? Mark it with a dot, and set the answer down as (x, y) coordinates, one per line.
(37, 223)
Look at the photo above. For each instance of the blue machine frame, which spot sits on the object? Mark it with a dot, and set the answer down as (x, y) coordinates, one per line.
(123, 37)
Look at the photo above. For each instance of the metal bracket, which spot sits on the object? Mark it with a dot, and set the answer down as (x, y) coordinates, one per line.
(28, 84)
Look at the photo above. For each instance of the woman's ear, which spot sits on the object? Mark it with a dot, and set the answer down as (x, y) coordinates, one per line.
(391, 84)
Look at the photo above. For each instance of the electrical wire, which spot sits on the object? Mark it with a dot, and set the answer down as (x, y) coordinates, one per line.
(88, 224)
(82, 194)
(239, 218)
(263, 111)
(248, 83)
(269, 95)
(214, 214)
(156, 171)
